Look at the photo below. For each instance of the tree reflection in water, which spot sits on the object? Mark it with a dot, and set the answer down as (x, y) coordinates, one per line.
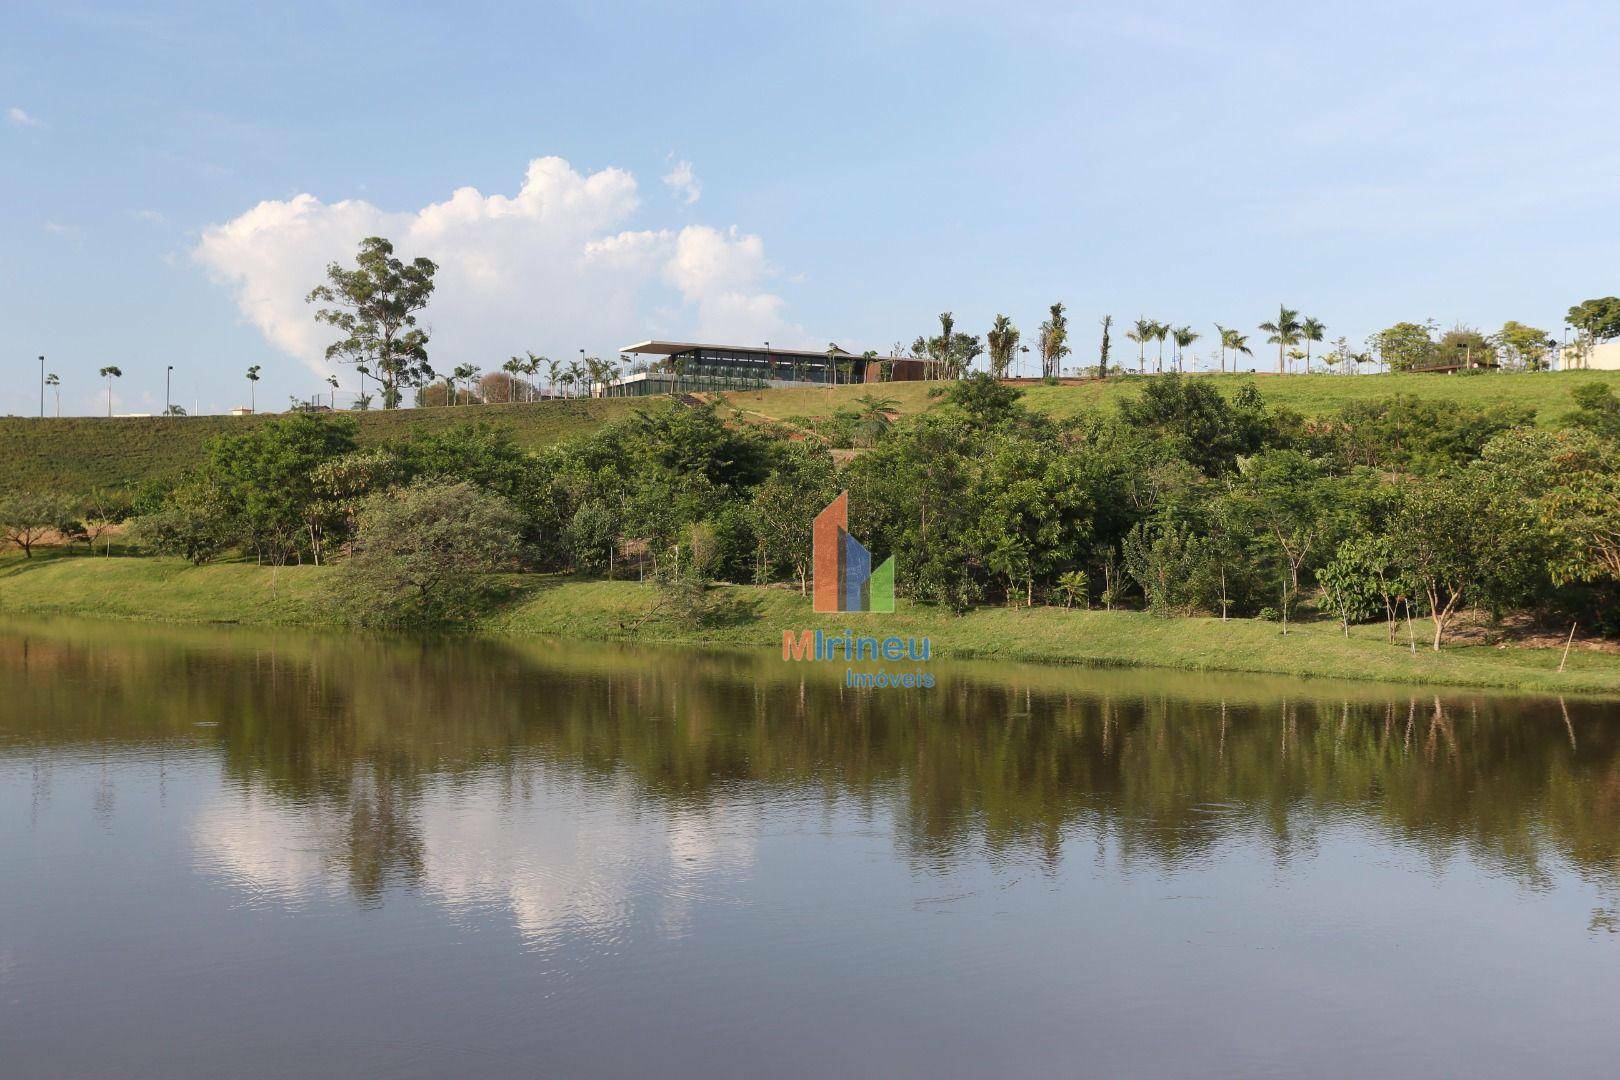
(351, 733)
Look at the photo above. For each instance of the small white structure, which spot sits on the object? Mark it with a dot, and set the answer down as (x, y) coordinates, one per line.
(240, 411)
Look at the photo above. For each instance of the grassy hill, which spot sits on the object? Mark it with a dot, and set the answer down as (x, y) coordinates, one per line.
(82, 453)
(79, 454)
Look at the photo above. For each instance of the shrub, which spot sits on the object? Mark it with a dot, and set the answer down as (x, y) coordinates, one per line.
(423, 554)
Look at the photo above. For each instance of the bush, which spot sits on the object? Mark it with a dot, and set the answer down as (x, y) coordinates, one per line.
(423, 555)
(190, 524)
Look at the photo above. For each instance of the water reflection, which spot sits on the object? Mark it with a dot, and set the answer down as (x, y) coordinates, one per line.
(295, 855)
(376, 763)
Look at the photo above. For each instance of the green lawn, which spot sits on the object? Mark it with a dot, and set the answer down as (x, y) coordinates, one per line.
(171, 591)
(78, 454)
(1549, 393)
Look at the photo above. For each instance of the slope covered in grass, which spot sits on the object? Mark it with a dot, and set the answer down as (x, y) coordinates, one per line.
(74, 455)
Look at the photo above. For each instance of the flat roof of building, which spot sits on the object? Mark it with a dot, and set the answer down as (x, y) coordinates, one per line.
(670, 348)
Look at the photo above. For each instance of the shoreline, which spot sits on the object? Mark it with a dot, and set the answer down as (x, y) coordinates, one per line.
(749, 616)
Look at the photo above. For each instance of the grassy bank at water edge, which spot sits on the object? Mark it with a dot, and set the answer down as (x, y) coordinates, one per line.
(172, 591)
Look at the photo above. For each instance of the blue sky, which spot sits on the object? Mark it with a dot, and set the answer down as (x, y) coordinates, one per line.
(173, 177)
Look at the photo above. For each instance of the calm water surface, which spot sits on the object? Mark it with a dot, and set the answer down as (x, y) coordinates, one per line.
(231, 854)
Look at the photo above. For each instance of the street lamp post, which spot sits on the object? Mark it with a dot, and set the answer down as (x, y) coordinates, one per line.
(168, 377)
(42, 388)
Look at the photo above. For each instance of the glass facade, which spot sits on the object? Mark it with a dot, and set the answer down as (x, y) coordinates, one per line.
(700, 369)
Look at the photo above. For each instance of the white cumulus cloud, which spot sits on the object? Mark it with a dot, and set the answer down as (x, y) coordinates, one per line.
(20, 118)
(553, 268)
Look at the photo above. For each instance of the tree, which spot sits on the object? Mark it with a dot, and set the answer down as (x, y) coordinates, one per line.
(873, 418)
(423, 555)
(1283, 333)
(1235, 343)
(110, 372)
(1054, 342)
(1355, 579)
(1465, 347)
(253, 383)
(1160, 332)
(1102, 352)
(1165, 561)
(1522, 346)
(1003, 342)
(1141, 333)
(192, 523)
(1183, 336)
(55, 383)
(1440, 538)
(29, 518)
(373, 307)
(1310, 329)
(264, 481)
(99, 513)
(465, 374)
(1596, 320)
(1403, 346)
(781, 508)
(951, 350)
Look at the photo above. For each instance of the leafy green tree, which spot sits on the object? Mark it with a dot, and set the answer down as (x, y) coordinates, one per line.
(1596, 320)
(424, 555)
(1596, 409)
(873, 417)
(1403, 346)
(1003, 343)
(374, 307)
(782, 508)
(1075, 588)
(1441, 538)
(1522, 346)
(1284, 333)
(102, 511)
(1420, 435)
(27, 519)
(192, 523)
(1210, 433)
(1466, 347)
(1165, 562)
(266, 482)
(1354, 581)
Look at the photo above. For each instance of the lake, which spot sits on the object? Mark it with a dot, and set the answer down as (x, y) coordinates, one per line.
(230, 853)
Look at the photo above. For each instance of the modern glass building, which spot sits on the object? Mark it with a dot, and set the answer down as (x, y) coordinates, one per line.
(676, 367)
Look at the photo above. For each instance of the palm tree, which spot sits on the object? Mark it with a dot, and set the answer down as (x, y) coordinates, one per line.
(332, 381)
(1284, 332)
(1003, 343)
(55, 384)
(553, 370)
(573, 374)
(1140, 333)
(531, 368)
(464, 374)
(110, 373)
(1184, 336)
(1160, 332)
(1239, 344)
(253, 382)
(1310, 330)
(513, 368)
(872, 416)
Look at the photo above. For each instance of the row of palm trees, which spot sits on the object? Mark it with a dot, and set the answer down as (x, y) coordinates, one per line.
(1288, 331)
